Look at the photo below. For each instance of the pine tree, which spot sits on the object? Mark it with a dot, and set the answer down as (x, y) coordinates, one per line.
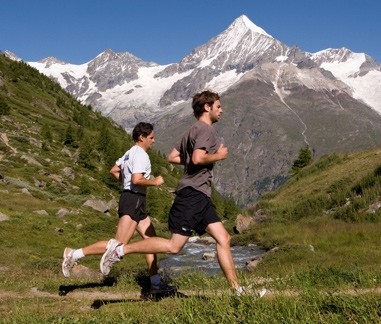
(4, 107)
(86, 153)
(230, 208)
(304, 158)
(46, 133)
(69, 136)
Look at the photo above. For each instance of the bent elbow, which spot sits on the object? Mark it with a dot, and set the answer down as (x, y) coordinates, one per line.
(134, 181)
(196, 160)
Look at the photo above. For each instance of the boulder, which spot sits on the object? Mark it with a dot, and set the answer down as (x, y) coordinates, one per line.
(41, 212)
(62, 212)
(99, 205)
(209, 256)
(3, 217)
(82, 272)
(243, 223)
(252, 264)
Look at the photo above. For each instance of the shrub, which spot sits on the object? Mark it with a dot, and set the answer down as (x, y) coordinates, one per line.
(304, 159)
(4, 107)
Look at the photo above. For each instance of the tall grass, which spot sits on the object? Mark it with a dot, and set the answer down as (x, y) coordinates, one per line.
(307, 307)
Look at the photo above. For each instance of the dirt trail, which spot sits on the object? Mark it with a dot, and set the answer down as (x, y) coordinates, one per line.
(94, 295)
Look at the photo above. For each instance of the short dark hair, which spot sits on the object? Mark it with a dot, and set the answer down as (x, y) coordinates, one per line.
(202, 98)
(143, 129)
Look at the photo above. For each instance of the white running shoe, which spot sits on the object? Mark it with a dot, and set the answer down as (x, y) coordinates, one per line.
(109, 257)
(261, 292)
(68, 261)
(249, 291)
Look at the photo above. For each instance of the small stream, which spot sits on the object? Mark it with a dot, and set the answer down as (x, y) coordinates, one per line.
(191, 258)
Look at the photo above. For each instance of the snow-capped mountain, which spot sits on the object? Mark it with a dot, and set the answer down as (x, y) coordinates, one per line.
(127, 88)
(12, 56)
(123, 86)
(276, 99)
(358, 70)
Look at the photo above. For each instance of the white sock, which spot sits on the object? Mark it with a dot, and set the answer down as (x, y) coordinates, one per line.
(78, 254)
(119, 251)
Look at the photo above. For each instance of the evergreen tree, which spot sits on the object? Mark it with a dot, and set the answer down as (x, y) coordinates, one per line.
(104, 138)
(86, 153)
(304, 158)
(217, 201)
(4, 107)
(80, 133)
(84, 186)
(230, 208)
(80, 117)
(60, 102)
(69, 136)
(46, 133)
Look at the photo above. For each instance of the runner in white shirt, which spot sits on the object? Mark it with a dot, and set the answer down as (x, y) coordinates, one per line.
(133, 169)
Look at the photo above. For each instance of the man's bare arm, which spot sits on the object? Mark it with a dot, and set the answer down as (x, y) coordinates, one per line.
(174, 157)
(139, 180)
(115, 171)
(202, 157)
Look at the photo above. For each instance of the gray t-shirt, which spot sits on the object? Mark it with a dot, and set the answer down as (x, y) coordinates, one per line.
(199, 136)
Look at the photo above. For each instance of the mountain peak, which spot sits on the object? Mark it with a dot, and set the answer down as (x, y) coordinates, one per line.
(48, 61)
(109, 56)
(11, 56)
(242, 22)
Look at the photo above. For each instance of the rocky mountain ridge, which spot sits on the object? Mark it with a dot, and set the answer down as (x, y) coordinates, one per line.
(287, 99)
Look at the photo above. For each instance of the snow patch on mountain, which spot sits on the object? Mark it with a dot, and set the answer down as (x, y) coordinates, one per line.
(243, 20)
(11, 55)
(366, 88)
(343, 68)
(224, 81)
(281, 58)
(144, 91)
(57, 70)
(346, 66)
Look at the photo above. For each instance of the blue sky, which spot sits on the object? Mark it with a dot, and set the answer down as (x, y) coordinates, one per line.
(164, 31)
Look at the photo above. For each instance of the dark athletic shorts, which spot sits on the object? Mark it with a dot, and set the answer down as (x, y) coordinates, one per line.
(192, 210)
(132, 204)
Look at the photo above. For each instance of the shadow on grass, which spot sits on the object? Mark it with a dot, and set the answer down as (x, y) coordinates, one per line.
(63, 290)
(98, 303)
(141, 279)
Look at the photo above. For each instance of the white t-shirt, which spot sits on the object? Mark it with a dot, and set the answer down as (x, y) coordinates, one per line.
(135, 160)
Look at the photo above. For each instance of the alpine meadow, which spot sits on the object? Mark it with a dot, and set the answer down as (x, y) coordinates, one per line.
(320, 228)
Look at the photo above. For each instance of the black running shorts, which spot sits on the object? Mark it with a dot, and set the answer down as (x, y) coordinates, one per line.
(192, 210)
(132, 204)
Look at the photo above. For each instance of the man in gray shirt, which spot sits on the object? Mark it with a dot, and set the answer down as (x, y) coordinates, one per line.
(192, 209)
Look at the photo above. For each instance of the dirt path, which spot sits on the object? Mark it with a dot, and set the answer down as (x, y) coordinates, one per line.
(135, 295)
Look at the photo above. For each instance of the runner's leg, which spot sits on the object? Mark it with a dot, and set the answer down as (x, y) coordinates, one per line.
(146, 230)
(224, 255)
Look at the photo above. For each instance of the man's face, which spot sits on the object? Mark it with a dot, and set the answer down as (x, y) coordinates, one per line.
(147, 141)
(215, 111)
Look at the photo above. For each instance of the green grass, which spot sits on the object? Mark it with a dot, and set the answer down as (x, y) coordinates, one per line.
(326, 284)
(319, 268)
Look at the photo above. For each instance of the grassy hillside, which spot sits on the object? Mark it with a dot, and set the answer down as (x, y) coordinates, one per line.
(59, 149)
(322, 228)
(55, 154)
(325, 219)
